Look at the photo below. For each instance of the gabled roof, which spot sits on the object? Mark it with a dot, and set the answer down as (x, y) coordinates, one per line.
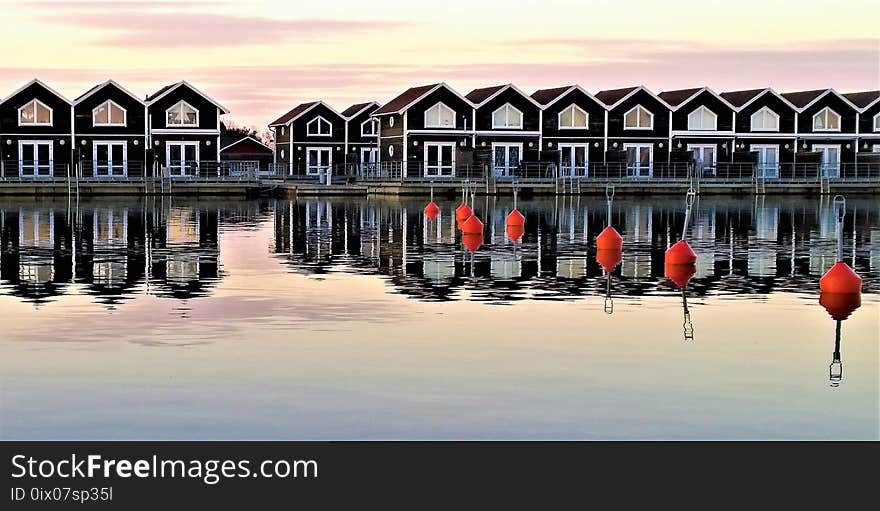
(39, 82)
(547, 96)
(168, 88)
(679, 98)
(100, 86)
(356, 109)
(293, 113)
(806, 99)
(743, 98)
(412, 95)
(481, 96)
(863, 99)
(242, 139)
(614, 97)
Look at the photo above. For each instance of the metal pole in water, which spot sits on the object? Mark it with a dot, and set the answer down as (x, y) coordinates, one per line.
(840, 209)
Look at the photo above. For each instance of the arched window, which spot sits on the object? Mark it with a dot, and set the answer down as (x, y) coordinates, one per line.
(35, 113)
(702, 119)
(319, 127)
(638, 118)
(826, 120)
(439, 116)
(765, 120)
(573, 117)
(507, 117)
(108, 113)
(182, 114)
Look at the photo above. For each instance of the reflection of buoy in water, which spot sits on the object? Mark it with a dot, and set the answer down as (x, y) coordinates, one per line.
(472, 225)
(432, 210)
(841, 279)
(681, 253)
(680, 274)
(609, 259)
(463, 212)
(472, 241)
(516, 218)
(840, 305)
(609, 239)
(515, 232)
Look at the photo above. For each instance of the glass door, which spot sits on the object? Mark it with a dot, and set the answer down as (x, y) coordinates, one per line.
(573, 160)
(318, 160)
(109, 159)
(369, 160)
(830, 159)
(639, 160)
(768, 160)
(440, 159)
(505, 158)
(35, 158)
(182, 158)
(705, 158)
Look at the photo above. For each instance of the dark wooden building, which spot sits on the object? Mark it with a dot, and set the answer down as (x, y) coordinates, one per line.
(868, 103)
(362, 136)
(826, 129)
(507, 129)
(427, 131)
(110, 130)
(184, 131)
(310, 139)
(572, 129)
(702, 128)
(36, 133)
(245, 155)
(638, 129)
(765, 130)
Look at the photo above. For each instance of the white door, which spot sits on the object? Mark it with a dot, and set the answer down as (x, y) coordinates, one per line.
(35, 158)
(440, 159)
(573, 160)
(830, 159)
(705, 158)
(369, 160)
(182, 158)
(768, 159)
(318, 160)
(109, 159)
(639, 160)
(506, 158)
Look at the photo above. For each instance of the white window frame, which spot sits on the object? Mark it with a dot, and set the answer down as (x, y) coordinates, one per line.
(34, 166)
(184, 169)
(829, 169)
(374, 124)
(441, 105)
(639, 118)
(505, 169)
(573, 107)
(317, 121)
(701, 110)
(507, 126)
(761, 111)
(714, 163)
(877, 122)
(111, 165)
(179, 105)
(637, 171)
(573, 169)
(314, 169)
(109, 122)
(875, 148)
(757, 147)
(826, 111)
(35, 123)
(438, 167)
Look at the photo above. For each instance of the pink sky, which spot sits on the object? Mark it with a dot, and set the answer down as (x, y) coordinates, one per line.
(261, 58)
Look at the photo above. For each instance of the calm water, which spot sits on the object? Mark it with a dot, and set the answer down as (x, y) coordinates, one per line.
(356, 318)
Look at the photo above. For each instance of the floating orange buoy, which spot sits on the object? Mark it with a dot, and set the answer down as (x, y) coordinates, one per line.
(472, 242)
(681, 253)
(472, 225)
(515, 232)
(680, 274)
(840, 305)
(516, 218)
(609, 239)
(609, 259)
(463, 212)
(432, 210)
(841, 279)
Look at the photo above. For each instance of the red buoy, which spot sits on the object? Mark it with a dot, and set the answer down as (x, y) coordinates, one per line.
(680, 274)
(516, 218)
(463, 212)
(472, 225)
(681, 253)
(609, 239)
(472, 242)
(515, 232)
(840, 305)
(432, 210)
(609, 259)
(841, 279)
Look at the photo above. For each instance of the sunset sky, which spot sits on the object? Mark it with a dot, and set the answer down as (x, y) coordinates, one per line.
(259, 58)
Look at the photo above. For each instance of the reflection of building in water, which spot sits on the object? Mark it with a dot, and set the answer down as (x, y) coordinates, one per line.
(763, 241)
(183, 251)
(639, 240)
